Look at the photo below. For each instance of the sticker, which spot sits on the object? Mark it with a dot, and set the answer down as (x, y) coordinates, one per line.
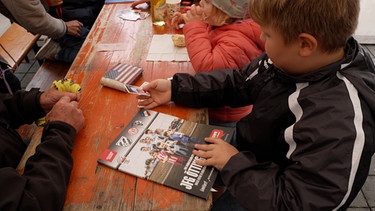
(138, 123)
(132, 131)
(124, 142)
(137, 90)
(145, 113)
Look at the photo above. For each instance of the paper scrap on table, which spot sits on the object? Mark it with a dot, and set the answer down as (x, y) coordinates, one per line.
(111, 46)
(163, 49)
(132, 14)
(143, 6)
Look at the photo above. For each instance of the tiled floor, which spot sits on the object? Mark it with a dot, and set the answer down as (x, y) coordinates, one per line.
(365, 200)
(26, 71)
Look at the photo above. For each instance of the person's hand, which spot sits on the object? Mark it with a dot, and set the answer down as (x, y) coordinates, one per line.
(54, 3)
(160, 93)
(50, 97)
(74, 28)
(194, 13)
(177, 20)
(66, 110)
(217, 153)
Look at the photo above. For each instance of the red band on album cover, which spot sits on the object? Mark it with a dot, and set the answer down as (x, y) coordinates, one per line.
(217, 133)
(108, 155)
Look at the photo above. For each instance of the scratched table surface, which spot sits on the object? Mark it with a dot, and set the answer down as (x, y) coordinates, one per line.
(107, 112)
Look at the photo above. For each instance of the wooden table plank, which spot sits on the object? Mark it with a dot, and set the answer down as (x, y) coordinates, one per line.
(107, 112)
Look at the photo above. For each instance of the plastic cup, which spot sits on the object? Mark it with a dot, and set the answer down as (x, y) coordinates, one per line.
(172, 7)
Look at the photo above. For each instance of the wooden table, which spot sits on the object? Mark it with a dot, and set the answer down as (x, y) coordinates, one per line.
(107, 111)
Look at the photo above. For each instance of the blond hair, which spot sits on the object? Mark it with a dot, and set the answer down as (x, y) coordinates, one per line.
(331, 22)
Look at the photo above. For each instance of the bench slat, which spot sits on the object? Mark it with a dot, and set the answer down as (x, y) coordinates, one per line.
(18, 42)
(48, 72)
(36, 133)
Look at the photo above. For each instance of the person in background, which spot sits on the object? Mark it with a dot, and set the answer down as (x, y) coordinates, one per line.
(43, 184)
(32, 15)
(218, 34)
(308, 142)
(67, 47)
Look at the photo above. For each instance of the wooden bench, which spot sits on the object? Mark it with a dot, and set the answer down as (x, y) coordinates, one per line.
(16, 43)
(48, 72)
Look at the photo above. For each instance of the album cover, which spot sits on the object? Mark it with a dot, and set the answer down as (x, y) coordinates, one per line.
(158, 147)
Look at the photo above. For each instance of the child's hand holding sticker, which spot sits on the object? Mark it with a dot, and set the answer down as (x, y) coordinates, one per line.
(135, 90)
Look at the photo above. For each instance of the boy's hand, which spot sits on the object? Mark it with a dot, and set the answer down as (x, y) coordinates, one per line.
(160, 93)
(217, 153)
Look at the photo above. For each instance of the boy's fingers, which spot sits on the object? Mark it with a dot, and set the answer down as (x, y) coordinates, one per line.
(200, 153)
(203, 147)
(202, 162)
(212, 140)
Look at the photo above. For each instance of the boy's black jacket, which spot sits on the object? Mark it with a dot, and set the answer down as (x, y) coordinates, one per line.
(308, 142)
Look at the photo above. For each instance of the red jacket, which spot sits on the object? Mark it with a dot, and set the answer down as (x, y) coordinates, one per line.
(230, 46)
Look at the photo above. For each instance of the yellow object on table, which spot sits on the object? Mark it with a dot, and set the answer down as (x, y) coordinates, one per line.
(64, 85)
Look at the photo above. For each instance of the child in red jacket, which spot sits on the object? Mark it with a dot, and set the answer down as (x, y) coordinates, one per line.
(218, 35)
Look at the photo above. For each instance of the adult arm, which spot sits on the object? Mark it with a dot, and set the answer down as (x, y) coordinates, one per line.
(44, 182)
(46, 176)
(21, 108)
(24, 107)
(33, 16)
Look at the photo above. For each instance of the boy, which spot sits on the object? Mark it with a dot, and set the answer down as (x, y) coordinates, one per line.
(308, 142)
